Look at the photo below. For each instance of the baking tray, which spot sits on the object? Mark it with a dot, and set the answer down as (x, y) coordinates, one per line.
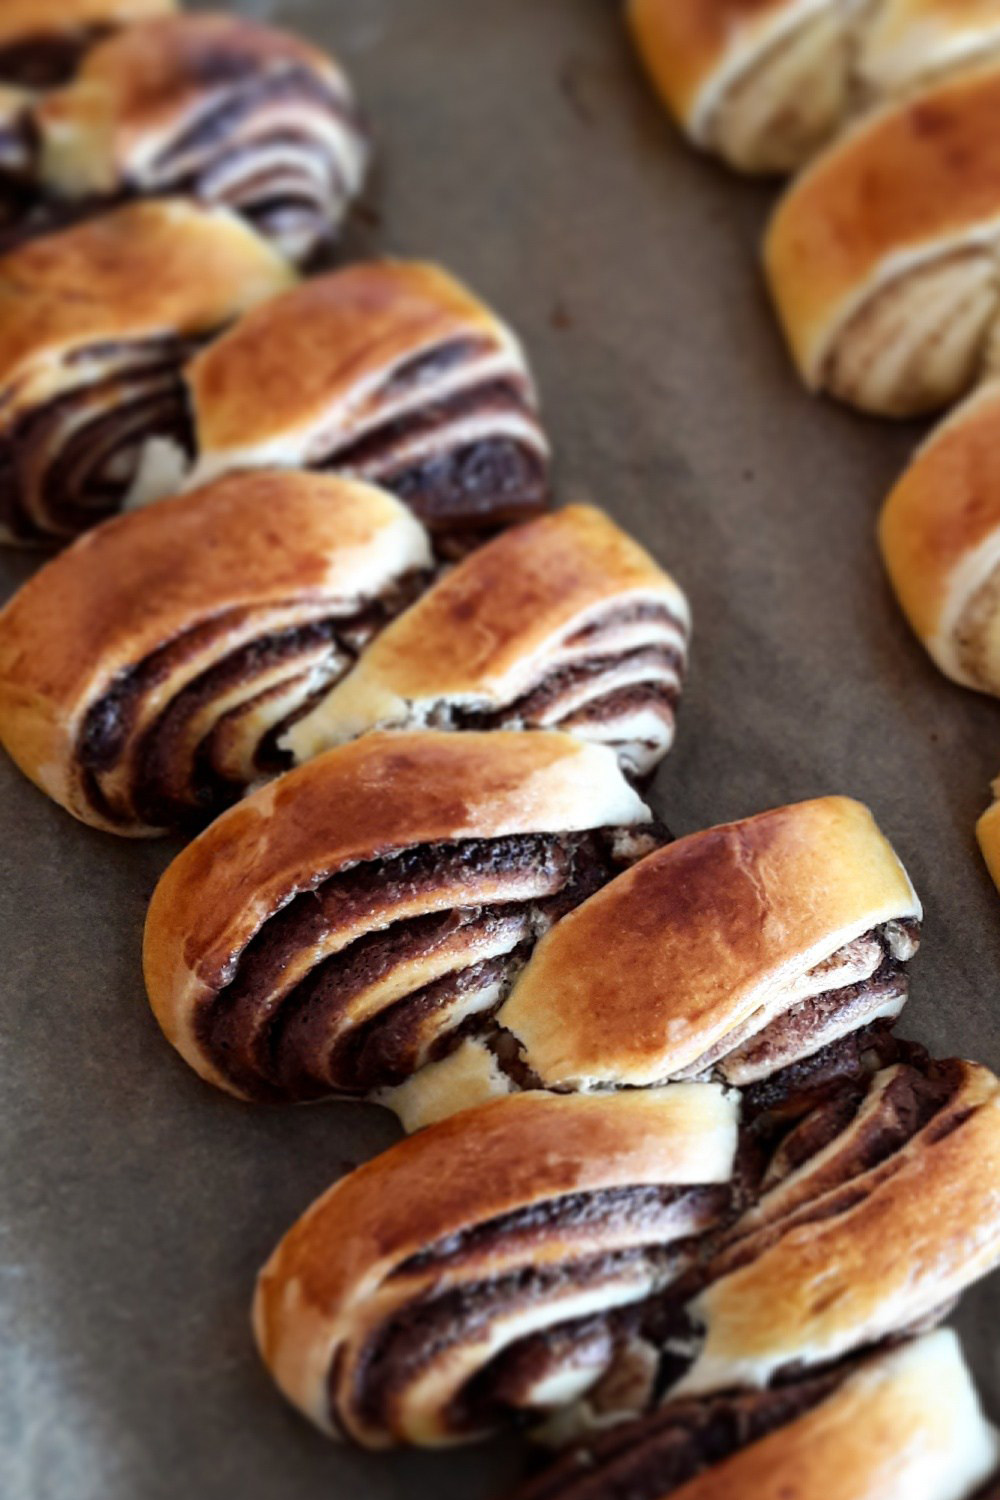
(519, 145)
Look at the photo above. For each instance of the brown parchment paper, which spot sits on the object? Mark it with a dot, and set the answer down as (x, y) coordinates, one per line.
(519, 145)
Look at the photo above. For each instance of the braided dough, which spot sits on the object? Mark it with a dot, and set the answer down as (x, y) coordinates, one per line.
(348, 923)
(147, 672)
(765, 83)
(564, 623)
(391, 372)
(215, 106)
(757, 953)
(95, 325)
(904, 1423)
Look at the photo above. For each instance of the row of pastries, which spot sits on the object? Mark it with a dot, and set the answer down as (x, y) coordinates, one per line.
(883, 257)
(675, 1194)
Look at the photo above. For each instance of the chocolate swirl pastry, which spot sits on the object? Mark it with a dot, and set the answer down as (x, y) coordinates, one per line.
(940, 537)
(42, 42)
(905, 1423)
(220, 108)
(875, 1213)
(355, 919)
(564, 623)
(883, 257)
(768, 954)
(147, 672)
(764, 83)
(391, 372)
(493, 1262)
(95, 326)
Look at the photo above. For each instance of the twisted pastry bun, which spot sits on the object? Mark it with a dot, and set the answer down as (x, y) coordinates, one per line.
(765, 83)
(883, 257)
(876, 1213)
(215, 106)
(495, 1264)
(43, 41)
(762, 953)
(564, 623)
(353, 920)
(906, 1423)
(940, 538)
(391, 372)
(95, 325)
(146, 672)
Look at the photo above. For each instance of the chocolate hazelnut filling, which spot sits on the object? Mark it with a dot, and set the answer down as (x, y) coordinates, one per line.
(465, 460)
(840, 1154)
(625, 698)
(380, 968)
(648, 1233)
(180, 735)
(72, 461)
(255, 153)
(284, 148)
(650, 1459)
(874, 988)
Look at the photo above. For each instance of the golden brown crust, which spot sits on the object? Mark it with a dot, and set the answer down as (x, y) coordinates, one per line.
(143, 579)
(472, 1169)
(940, 527)
(684, 42)
(705, 929)
(909, 182)
(907, 1423)
(382, 793)
(481, 636)
(270, 380)
(888, 1261)
(38, 17)
(143, 270)
(147, 79)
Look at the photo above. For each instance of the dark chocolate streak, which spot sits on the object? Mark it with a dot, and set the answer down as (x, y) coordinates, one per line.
(913, 1099)
(46, 60)
(283, 196)
(663, 1219)
(165, 791)
(251, 90)
(74, 486)
(474, 486)
(533, 707)
(650, 1459)
(302, 1046)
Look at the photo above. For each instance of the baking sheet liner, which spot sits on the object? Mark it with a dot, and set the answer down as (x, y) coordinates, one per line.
(519, 145)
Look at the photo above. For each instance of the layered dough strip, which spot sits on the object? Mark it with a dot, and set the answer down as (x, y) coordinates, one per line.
(392, 372)
(42, 42)
(884, 257)
(905, 1423)
(563, 623)
(354, 920)
(449, 1310)
(940, 538)
(493, 1264)
(96, 324)
(877, 1212)
(147, 672)
(217, 107)
(768, 953)
(765, 83)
